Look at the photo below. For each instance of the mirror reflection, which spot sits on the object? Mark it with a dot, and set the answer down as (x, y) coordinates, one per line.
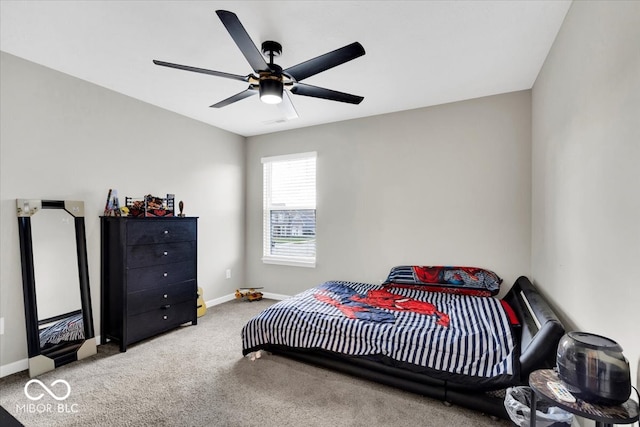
(57, 283)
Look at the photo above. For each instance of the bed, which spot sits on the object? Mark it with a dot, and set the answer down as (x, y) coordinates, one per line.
(446, 337)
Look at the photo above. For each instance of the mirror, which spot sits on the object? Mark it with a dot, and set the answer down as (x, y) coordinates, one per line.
(55, 283)
(54, 250)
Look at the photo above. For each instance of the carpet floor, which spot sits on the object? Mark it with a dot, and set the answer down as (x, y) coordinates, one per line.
(196, 376)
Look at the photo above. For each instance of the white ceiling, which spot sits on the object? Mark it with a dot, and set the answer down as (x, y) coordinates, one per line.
(418, 53)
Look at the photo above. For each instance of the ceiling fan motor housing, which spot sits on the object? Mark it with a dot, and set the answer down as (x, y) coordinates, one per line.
(271, 85)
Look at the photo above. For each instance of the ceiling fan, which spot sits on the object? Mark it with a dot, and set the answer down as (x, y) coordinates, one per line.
(269, 79)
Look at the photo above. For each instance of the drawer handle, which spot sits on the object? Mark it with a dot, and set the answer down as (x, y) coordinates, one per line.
(165, 253)
(164, 307)
(166, 231)
(165, 274)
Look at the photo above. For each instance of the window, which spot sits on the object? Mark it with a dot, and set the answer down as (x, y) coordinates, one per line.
(289, 198)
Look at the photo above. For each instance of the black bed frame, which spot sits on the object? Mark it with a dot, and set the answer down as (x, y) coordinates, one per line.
(540, 333)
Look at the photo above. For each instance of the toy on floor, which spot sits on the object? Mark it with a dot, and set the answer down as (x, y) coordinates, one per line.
(201, 305)
(249, 293)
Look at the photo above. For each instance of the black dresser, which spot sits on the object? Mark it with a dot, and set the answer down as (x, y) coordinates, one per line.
(148, 276)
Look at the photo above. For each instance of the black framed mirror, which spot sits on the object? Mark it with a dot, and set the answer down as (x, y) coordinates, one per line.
(55, 281)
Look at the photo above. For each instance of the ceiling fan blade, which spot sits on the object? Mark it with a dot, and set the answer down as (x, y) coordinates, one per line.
(286, 107)
(242, 39)
(235, 98)
(202, 70)
(324, 62)
(320, 92)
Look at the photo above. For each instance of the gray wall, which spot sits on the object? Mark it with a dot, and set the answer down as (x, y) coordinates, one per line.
(586, 174)
(64, 138)
(444, 185)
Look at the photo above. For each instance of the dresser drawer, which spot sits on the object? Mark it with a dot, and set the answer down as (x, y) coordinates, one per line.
(165, 253)
(163, 297)
(156, 276)
(153, 322)
(149, 231)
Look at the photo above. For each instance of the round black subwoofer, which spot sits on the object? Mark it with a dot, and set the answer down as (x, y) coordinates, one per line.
(593, 368)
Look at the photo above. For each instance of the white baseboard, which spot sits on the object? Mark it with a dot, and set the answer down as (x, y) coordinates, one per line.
(22, 365)
(278, 297)
(219, 300)
(12, 368)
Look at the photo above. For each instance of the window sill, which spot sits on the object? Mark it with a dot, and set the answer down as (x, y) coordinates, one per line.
(292, 262)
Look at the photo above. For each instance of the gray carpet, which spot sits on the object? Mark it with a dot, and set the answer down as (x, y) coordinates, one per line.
(196, 376)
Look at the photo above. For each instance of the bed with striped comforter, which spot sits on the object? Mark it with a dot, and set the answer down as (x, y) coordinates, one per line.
(464, 339)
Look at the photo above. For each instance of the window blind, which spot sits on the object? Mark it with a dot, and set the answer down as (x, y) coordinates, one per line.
(289, 209)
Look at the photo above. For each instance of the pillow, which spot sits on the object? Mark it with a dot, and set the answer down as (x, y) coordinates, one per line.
(459, 280)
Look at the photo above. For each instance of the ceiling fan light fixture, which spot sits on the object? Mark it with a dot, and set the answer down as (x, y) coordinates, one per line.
(271, 91)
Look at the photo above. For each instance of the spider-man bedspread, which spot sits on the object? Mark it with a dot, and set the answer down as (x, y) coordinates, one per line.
(464, 339)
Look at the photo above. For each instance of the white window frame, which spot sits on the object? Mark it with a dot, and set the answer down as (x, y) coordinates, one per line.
(267, 257)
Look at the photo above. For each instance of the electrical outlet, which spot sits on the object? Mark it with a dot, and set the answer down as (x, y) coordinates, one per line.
(228, 273)
(1, 325)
